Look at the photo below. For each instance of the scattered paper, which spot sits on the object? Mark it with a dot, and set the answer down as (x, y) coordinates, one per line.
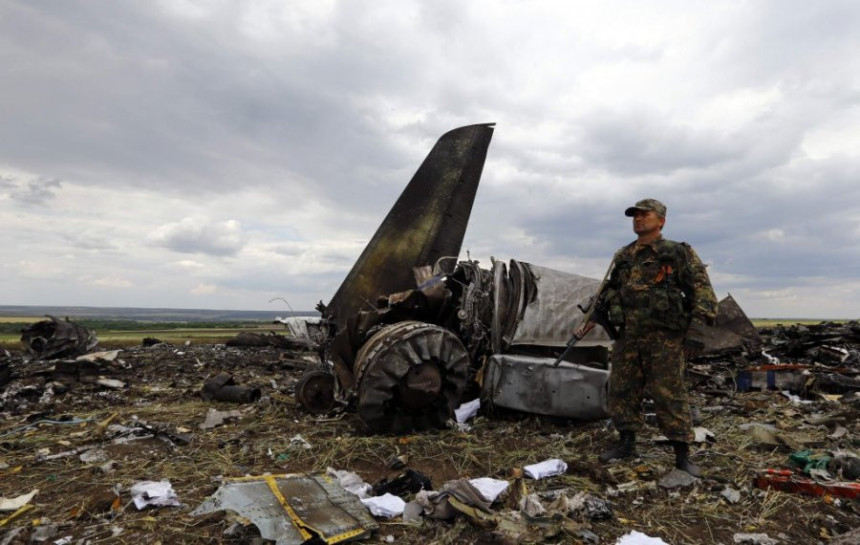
(351, 482)
(13, 504)
(155, 494)
(703, 435)
(638, 538)
(547, 468)
(386, 506)
(467, 410)
(490, 489)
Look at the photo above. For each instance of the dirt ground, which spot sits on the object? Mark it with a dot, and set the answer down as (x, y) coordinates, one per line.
(83, 446)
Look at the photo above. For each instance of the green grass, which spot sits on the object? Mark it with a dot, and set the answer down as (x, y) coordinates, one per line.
(115, 333)
(770, 322)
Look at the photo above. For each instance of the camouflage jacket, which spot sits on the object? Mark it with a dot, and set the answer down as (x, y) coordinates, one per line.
(663, 285)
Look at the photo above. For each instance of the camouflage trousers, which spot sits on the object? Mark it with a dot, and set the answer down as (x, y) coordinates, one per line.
(652, 365)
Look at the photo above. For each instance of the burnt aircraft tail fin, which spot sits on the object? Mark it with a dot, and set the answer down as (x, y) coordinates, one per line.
(427, 222)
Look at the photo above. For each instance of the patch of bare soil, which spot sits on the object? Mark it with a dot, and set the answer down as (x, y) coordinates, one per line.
(83, 445)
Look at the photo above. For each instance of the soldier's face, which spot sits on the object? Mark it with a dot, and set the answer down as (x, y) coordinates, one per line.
(647, 222)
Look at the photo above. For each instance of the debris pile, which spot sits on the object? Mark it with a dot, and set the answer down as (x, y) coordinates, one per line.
(141, 441)
(54, 338)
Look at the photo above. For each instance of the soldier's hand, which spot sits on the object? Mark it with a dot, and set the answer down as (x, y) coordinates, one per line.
(583, 329)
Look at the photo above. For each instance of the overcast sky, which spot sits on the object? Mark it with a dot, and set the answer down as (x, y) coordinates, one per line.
(218, 154)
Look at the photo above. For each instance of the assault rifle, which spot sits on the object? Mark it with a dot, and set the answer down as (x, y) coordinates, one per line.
(594, 313)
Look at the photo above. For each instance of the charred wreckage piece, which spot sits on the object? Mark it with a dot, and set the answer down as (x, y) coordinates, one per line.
(54, 338)
(413, 331)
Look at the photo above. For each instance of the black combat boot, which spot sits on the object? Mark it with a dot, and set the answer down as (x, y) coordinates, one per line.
(682, 459)
(626, 448)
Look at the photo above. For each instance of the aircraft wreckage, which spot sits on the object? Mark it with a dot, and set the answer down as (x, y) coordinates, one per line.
(412, 331)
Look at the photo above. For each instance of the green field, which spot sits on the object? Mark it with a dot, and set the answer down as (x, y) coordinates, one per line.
(116, 333)
(771, 322)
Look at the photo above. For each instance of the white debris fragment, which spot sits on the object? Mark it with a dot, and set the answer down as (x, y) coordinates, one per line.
(770, 359)
(755, 539)
(386, 506)
(155, 494)
(796, 399)
(547, 468)
(215, 418)
(638, 538)
(703, 435)
(532, 506)
(731, 495)
(490, 489)
(111, 383)
(108, 355)
(467, 410)
(351, 482)
(13, 504)
(299, 442)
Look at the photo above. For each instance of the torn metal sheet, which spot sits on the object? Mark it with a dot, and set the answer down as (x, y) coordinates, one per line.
(542, 308)
(732, 330)
(311, 329)
(426, 223)
(535, 385)
(55, 338)
(291, 509)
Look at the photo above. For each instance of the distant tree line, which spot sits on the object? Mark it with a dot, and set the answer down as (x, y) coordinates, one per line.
(132, 325)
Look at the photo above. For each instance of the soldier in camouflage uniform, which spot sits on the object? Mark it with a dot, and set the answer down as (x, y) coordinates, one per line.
(659, 297)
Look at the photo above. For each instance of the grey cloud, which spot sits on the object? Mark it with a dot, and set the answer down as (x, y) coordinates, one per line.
(196, 235)
(637, 143)
(7, 181)
(36, 192)
(90, 241)
(787, 43)
(153, 104)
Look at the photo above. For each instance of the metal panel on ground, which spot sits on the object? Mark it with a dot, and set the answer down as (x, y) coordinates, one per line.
(534, 385)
